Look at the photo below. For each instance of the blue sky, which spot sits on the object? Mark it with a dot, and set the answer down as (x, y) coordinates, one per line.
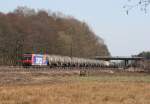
(124, 34)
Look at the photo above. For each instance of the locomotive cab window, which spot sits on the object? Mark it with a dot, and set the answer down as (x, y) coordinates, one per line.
(27, 58)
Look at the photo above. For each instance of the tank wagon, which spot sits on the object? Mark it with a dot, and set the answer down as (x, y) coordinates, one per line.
(60, 61)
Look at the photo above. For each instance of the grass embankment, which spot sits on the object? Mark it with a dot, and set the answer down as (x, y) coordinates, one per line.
(105, 89)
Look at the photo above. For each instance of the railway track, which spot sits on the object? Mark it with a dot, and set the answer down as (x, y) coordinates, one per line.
(68, 69)
(36, 69)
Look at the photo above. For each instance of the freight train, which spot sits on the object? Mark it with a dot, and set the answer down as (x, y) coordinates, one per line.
(60, 61)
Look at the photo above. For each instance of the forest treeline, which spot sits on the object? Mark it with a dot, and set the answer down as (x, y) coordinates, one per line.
(26, 30)
(145, 54)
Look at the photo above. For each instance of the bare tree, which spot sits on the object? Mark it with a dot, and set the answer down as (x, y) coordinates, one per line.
(142, 4)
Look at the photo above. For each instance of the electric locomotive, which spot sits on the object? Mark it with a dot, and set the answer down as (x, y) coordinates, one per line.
(34, 60)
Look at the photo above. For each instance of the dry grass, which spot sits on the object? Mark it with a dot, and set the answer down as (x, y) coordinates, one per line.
(88, 90)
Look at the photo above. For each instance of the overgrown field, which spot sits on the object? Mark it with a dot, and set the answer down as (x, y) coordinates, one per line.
(99, 89)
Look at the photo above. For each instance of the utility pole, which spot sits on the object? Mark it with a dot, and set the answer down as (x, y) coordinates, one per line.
(71, 43)
(19, 49)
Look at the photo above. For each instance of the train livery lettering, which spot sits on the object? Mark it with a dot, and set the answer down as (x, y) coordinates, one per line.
(38, 59)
